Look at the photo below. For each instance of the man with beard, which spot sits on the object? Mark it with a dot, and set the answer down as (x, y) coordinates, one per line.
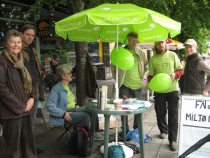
(165, 61)
(130, 81)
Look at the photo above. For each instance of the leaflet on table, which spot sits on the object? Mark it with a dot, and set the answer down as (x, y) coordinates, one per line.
(133, 103)
(128, 104)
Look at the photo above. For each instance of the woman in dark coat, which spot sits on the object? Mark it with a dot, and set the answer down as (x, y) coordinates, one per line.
(17, 95)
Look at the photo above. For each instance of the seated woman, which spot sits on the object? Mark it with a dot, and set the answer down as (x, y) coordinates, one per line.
(61, 103)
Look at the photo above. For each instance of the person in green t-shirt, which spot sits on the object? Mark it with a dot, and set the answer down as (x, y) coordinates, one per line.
(130, 81)
(164, 61)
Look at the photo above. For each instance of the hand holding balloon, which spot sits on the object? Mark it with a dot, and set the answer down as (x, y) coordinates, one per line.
(160, 82)
(173, 76)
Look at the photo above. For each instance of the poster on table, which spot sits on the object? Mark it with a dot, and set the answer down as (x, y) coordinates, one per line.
(195, 127)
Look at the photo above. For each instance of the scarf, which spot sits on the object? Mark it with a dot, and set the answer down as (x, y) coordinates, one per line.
(19, 64)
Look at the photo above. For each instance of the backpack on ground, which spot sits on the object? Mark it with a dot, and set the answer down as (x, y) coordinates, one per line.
(80, 142)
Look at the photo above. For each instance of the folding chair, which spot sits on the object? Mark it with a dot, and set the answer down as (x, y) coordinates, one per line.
(67, 127)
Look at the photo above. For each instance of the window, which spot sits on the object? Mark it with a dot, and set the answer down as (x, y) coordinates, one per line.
(12, 16)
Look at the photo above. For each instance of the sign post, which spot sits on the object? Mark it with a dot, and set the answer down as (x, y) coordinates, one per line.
(194, 137)
(44, 27)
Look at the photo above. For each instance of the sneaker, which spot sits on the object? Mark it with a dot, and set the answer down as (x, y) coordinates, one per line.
(98, 136)
(162, 135)
(173, 146)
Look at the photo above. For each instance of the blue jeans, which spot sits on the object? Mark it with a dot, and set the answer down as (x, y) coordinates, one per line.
(130, 93)
(79, 115)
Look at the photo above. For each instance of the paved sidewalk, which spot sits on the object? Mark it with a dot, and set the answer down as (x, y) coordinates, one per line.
(47, 138)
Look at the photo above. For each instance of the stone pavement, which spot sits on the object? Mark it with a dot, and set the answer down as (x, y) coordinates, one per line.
(46, 138)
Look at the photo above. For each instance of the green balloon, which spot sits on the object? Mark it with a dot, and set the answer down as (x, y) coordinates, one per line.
(160, 82)
(126, 41)
(113, 56)
(125, 59)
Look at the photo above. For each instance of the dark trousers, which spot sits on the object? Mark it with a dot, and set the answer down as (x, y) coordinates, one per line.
(163, 102)
(130, 93)
(18, 134)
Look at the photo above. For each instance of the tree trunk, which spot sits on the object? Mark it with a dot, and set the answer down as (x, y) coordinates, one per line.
(81, 52)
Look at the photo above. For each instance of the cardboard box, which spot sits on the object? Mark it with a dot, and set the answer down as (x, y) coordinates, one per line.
(112, 121)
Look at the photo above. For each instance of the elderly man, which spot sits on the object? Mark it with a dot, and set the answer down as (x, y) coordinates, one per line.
(193, 80)
(130, 81)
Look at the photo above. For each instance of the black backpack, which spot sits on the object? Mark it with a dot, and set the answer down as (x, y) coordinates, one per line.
(80, 142)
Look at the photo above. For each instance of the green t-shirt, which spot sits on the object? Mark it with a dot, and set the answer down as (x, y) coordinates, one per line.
(132, 76)
(70, 97)
(165, 63)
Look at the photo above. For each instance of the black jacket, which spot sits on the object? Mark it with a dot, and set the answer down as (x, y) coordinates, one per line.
(193, 80)
(91, 77)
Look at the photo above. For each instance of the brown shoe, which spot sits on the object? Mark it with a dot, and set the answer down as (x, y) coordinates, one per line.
(162, 135)
(173, 146)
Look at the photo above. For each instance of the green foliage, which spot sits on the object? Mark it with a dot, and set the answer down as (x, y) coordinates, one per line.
(50, 4)
(194, 15)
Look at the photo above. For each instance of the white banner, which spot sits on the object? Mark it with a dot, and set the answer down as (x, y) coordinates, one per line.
(195, 127)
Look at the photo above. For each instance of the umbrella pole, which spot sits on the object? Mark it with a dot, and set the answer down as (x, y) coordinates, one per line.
(117, 91)
(116, 135)
(116, 82)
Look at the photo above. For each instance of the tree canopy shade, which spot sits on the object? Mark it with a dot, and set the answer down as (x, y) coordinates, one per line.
(194, 16)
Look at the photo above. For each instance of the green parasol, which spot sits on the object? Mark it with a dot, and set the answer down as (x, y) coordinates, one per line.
(112, 22)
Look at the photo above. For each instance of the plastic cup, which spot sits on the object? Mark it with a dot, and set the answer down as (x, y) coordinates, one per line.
(117, 104)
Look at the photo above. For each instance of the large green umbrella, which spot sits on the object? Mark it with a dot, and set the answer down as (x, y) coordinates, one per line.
(112, 22)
